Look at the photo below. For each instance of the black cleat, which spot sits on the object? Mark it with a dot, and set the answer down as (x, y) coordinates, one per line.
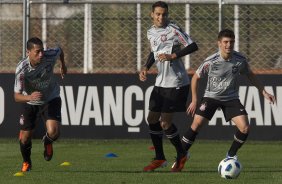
(48, 152)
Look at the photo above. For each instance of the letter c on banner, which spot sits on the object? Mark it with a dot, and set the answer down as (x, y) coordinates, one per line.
(2, 105)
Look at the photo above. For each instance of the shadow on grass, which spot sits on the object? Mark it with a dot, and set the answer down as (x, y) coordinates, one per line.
(249, 170)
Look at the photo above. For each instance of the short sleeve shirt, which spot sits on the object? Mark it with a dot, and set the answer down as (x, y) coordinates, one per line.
(41, 78)
(168, 40)
(222, 76)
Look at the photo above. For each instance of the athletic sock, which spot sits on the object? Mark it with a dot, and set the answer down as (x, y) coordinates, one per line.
(26, 151)
(173, 135)
(239, 140)
(156, 133)
(188, 139)
(47, 139)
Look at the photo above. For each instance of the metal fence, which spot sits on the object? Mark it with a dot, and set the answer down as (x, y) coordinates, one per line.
(109, 36)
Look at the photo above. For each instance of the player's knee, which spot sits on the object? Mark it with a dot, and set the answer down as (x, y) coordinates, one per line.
(165, 125)
(196, 126)
(53, 134)
(245, 129)
(25, 137)
(25, 140)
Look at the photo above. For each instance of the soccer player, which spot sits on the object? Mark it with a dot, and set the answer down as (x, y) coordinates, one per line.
(36, 87)
(171, 88)
(222, 71)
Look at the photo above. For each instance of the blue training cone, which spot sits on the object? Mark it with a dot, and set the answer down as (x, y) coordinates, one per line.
(111, 155)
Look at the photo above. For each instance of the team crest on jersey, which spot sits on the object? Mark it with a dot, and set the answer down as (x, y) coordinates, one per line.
(22, 120)
(163, 37)
(203, 106)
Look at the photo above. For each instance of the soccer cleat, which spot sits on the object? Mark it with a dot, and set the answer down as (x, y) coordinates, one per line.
(26, 166)
(179, 163)
(155, 164)
(48, 152)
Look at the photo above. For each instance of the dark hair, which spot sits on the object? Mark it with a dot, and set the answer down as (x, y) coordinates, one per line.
(159, 4)
(33, 41)
(226, 33)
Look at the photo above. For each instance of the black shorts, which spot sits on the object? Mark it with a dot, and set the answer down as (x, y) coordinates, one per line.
(32, 114)
(230, 109)
(168, 100)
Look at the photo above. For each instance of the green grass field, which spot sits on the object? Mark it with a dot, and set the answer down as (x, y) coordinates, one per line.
(262, 162)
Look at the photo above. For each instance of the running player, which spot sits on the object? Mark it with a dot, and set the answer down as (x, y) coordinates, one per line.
(172, 84)
(36, 87)
(222, 70)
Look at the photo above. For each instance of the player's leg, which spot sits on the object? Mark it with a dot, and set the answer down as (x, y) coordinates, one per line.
(172, 134)
(27, 124)
(174, 100)
(190, 136)
(155, 130)
(235, 111)
(52, 116)
(241, 134)
(203, 114)
(25, 147)
(52, 134)
(156, 134)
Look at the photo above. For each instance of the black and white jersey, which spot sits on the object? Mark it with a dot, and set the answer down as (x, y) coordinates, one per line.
(29, 79)
(168, 40)
(222, 76)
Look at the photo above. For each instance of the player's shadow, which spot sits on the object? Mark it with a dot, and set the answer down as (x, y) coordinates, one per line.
(245, 170)
(116, 171)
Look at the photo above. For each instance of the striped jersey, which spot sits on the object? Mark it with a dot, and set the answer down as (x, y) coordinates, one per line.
(222, 76)
(167, 40)
(41, 78)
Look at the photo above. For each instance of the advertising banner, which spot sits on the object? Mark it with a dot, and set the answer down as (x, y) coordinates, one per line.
(109, 106)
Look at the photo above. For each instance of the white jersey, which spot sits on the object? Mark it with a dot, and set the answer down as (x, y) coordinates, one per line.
(167, 40)
(222, 76)
(29, 79)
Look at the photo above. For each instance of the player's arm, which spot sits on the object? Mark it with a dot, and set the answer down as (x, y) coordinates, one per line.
(187, 50)
(150, 61)
(254, 81)
(35, 96)
(63, 68)
(194, 88)
(19, 87)
(178, 54)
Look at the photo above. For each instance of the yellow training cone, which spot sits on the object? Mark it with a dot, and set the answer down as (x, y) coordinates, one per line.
(19, 174)
(65, 164)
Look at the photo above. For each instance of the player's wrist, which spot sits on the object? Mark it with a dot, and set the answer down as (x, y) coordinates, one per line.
(173, 56)
(145, 68)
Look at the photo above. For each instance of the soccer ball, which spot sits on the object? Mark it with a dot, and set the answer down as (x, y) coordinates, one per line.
(229, 168)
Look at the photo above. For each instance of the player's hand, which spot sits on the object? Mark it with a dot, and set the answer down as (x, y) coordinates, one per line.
(143, 75)
(63, 71)
(35, 96)
(166, 57)
(192, 108)
(269, 97)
